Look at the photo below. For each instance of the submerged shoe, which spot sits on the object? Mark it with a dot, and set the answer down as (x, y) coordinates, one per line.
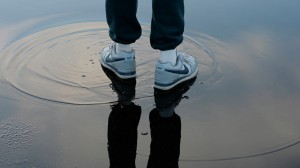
(122, 64)
(168, 76)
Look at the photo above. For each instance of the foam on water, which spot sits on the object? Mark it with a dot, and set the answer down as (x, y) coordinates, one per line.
(16, 135)
(61, 64)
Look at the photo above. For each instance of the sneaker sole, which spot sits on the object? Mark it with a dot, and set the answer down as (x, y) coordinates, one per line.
(178, 82)
(117, 73)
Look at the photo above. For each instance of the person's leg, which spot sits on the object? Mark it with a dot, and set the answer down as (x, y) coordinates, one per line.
(121, 18)
(167, 24)
(124, 29)
(167, 29)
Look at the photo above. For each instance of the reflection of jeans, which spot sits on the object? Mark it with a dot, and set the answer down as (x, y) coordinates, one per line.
(165, 141)
(122, 138)
(167, 24)
(122, 135)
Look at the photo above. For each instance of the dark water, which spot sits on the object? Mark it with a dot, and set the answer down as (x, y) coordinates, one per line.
(242, 111)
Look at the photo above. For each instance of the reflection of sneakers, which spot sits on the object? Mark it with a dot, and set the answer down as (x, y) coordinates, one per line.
(167, 75)
(122, 64)
(125, 88)
(167, 100)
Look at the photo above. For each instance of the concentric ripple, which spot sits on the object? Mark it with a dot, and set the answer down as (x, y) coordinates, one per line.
(61, 64)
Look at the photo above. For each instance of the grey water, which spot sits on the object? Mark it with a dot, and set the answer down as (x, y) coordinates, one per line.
(242, 111)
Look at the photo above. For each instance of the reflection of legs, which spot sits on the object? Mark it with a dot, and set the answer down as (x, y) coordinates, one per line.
(121, 18)
(122, 135)
(165, 127)
(165, 144)
(167, 24)
(124, 29)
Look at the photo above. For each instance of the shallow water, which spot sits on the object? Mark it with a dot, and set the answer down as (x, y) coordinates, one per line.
(242, 110)
(65, 61)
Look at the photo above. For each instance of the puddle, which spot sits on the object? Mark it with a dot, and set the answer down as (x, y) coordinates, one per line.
(61, 64)
(242, 110)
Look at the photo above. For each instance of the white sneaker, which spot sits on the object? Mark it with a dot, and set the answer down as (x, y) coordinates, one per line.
(168, 76)
(122, 64)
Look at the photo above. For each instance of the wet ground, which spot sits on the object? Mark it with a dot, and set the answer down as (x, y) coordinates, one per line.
(242, 111)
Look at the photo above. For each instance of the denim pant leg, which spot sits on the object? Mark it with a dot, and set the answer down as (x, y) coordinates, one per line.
(121, 18)
(167, 25)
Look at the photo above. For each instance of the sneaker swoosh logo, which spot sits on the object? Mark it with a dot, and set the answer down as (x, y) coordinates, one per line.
(184, 71)
(114, 59)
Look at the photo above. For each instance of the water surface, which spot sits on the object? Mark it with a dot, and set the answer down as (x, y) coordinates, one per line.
(242, 110)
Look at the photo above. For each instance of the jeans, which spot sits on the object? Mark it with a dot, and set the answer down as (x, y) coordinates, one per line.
(167, 24)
